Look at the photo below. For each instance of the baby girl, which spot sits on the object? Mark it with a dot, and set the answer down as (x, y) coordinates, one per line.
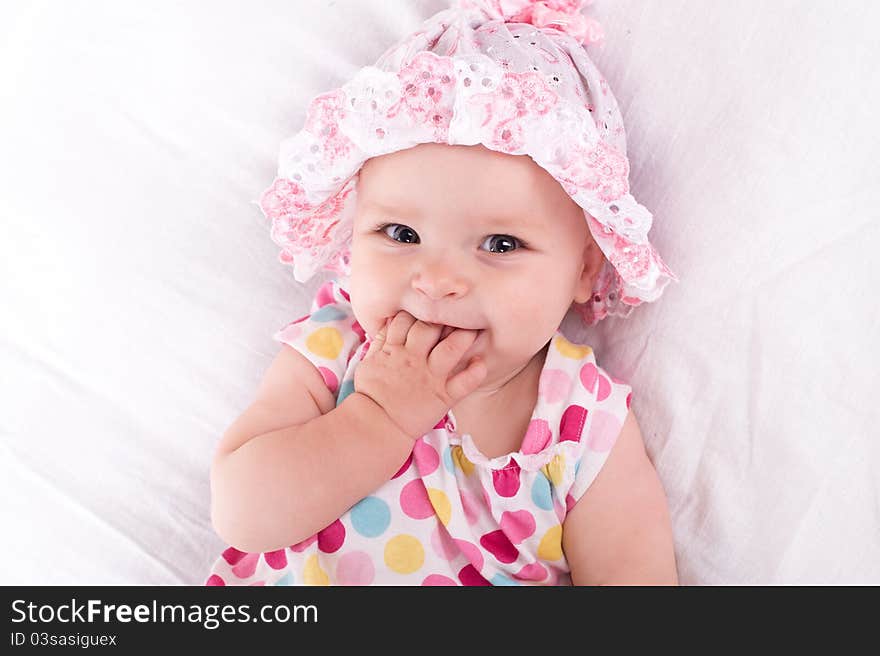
(428, 423)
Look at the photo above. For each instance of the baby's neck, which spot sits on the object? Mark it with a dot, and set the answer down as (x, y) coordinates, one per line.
(497, 419)
(507, 395)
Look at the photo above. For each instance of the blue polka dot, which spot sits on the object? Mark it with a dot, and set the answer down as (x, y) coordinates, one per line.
(328, 313)
(344, 390)
(287, 579)
(541, 494)
(447, 460)
(370, 517)
(500, 579)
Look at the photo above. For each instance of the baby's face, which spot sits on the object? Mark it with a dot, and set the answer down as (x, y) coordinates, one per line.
(473, 239)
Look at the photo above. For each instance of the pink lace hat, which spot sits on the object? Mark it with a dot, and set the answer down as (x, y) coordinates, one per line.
(511, 75)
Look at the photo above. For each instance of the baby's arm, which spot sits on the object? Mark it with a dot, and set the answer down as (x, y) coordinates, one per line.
(292, 463)
(619, 532)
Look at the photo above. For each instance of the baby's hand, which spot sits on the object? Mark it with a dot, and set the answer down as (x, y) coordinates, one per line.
(406, 371)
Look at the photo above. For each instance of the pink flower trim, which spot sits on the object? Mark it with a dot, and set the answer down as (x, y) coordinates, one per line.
(521, 97)
(627, 263)
(322, 120)
(563, 15)
(601, 169)
(299, 226)
(427, 84)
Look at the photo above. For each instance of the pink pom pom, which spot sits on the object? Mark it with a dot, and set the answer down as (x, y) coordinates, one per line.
(563, 15)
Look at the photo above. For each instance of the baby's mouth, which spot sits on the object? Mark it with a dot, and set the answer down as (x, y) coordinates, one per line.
(447, 330)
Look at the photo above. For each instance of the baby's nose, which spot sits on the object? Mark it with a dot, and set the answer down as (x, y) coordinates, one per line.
(439, 280)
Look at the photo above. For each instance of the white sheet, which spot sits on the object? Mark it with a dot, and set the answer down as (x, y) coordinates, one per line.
(140, 289)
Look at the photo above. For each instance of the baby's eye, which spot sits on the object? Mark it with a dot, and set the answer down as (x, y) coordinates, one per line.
(407, 234)
(503, 243)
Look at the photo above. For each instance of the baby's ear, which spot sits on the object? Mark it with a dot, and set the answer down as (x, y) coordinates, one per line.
(592, 264)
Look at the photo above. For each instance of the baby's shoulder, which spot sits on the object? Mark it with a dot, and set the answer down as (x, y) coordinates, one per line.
(328, 336)
(572, 372)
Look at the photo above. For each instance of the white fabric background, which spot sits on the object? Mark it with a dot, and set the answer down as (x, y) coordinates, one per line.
(140, 288)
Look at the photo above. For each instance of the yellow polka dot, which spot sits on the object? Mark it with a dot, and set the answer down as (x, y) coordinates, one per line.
(326, 342)
(460, 459)
(313, 574)
(404, 554)
(569, 350)
(551, 544)
(441, 504)
(553, 470)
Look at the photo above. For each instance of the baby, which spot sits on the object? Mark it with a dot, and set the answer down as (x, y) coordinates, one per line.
(428, 423)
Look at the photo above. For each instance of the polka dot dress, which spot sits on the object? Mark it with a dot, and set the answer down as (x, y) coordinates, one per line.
(450, 515)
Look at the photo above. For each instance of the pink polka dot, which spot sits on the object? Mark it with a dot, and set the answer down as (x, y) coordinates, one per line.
(471, 552)
(554, 385)
(355, 568)
(426, 457)
(470, 505)
(588, 375)
(628, 400)
(359, 331)
(257, 583)
(292, 332)
(414, 500)
(438, 579)
(215, 580)
(344, 294)
(532, 572)
(276, 559)
(443, 544)
(246, 567)
(470, 576)
(487, 502)
(569, 502)
(324, 295)
(604, 388)
(299, 547)
(571, 426)
(517, 525)
(497, 544)
(604, 429)
(233, 555)
(537, 436)
(330, 539)
(330, 379)
(560, 511)
(404, 466)
(506, 481)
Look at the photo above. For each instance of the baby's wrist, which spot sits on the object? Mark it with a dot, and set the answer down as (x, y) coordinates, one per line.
(386, 419)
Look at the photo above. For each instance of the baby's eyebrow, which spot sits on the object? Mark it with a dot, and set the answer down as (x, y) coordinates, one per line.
(391, 208)
(519, 220)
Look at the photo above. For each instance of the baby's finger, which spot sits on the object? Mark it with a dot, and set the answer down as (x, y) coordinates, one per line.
(422, 337)
(378, 339)
(448, 352)
(398, 328)
(465, 382)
